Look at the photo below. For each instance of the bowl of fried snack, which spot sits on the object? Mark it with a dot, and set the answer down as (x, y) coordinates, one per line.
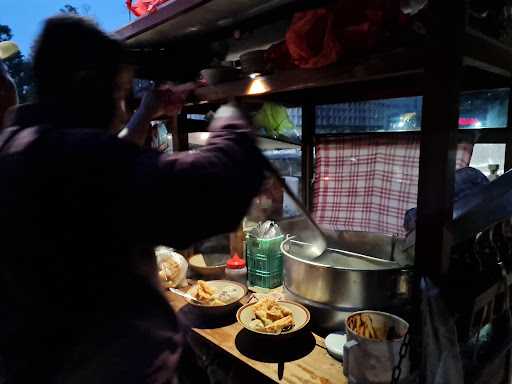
(216, 296)
(270, 317)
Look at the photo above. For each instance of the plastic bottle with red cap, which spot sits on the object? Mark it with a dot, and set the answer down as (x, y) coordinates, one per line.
(236, 269)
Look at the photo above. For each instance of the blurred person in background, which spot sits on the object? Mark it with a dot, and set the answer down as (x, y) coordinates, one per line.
(8, 93)
(79, 297)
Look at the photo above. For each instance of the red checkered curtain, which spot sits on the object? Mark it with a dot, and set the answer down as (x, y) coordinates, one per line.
(367, 183)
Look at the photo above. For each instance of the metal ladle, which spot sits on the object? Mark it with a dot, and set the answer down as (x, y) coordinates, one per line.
(313, 234)
(318, 239)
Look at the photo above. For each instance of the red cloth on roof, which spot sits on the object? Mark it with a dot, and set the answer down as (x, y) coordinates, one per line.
(311, 39)
(367, 183)
(143, 7)
(322, 36)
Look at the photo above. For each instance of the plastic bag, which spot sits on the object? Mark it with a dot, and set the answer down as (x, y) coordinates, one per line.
(143, 7)
(442, 360)
(274, 118)
(319, 37)
(172, 268)
(311, 39)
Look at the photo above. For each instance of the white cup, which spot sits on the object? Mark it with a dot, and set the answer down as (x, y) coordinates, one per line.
(367, 360)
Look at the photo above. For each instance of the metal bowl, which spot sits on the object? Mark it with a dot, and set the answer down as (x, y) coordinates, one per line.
(323, 317)
(253, 61)
(210, 265)
(214, 76)
(339, 282)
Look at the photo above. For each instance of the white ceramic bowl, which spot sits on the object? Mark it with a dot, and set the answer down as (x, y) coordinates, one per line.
(218, 285)
(301, 317)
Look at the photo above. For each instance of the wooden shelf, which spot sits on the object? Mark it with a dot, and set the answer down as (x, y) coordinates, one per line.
(263, 142)
(277, 143)
(400, 64)
(395, 74)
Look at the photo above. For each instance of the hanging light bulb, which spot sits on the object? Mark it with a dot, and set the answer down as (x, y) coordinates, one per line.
(258, 85)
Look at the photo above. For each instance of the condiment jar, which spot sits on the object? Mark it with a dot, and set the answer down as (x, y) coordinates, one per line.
(236, 269)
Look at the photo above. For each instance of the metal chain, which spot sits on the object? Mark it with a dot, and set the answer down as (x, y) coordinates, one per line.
(404, 350)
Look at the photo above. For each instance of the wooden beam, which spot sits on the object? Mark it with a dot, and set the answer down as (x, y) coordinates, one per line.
(490, 53)
(471, 62)
(165, 13)
(209, 20)
(484, 135)
(438, 136)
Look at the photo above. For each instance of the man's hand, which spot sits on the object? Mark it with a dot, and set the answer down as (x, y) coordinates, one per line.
(165, 100)
(162, 101)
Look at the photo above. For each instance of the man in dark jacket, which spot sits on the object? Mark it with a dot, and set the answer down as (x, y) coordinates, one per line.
(79, 302)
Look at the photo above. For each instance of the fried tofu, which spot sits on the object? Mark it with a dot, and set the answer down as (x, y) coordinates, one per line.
(204, 292)
(280, 325)
(274, 317)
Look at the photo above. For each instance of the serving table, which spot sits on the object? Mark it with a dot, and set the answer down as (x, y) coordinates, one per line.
(302, 359)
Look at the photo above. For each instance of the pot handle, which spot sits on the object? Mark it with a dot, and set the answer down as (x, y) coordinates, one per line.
(346, 357)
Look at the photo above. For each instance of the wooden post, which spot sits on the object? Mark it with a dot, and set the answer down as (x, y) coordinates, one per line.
(508, 143)
(179, 133)
(440, 115)
(308, 131)
(438, 135)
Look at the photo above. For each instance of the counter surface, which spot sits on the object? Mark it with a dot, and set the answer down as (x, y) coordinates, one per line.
(300, 360)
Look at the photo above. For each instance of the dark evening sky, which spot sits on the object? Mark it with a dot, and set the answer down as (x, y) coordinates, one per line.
(25, 16)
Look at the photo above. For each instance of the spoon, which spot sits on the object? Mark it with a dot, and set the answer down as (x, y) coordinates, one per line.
(184, 295)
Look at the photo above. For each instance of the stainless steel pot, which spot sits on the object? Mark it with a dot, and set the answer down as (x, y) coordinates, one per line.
(340, 282)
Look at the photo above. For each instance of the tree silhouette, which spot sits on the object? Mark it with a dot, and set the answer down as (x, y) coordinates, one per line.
(85, 10)
(20, 67)
(69, 9)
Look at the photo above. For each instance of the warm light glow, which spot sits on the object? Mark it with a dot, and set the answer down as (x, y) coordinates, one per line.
(258, 85)
(204, 136)
(254, 75)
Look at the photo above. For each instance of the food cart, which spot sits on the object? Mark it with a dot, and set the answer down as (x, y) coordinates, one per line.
(452, 58)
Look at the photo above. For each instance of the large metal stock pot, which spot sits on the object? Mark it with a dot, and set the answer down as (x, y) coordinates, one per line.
(340, 282)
